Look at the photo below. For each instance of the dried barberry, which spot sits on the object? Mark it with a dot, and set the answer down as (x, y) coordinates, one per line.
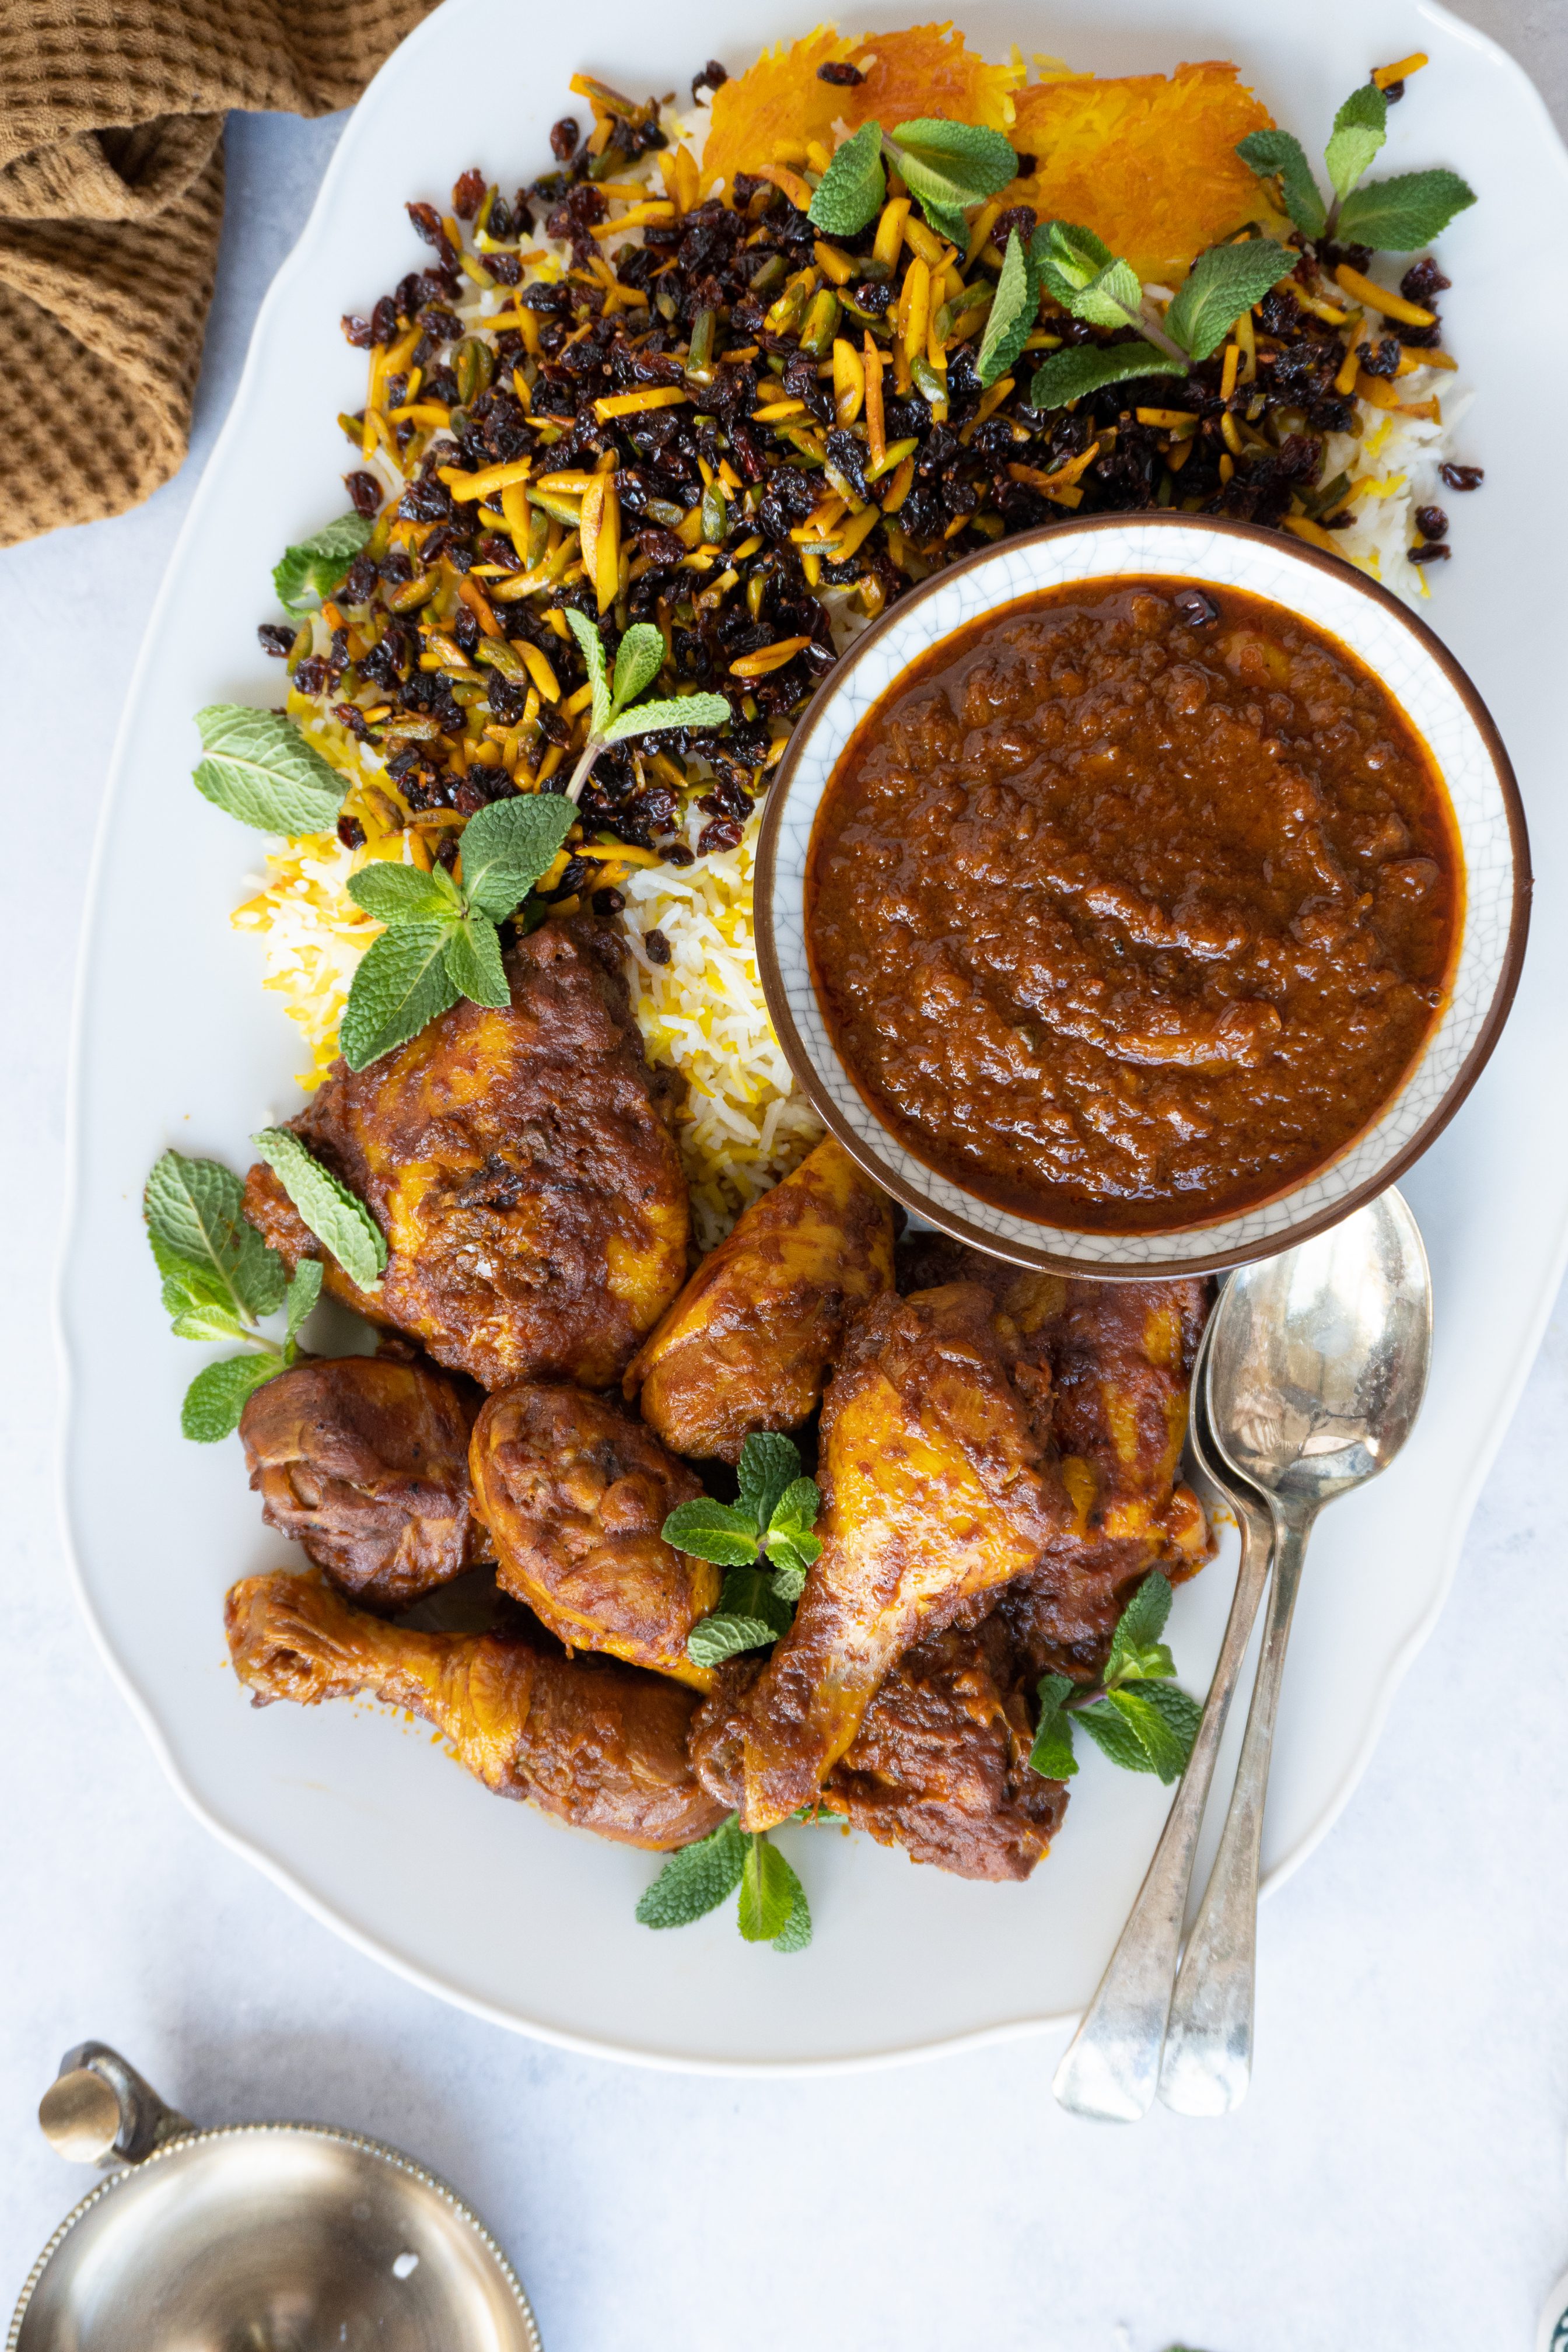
(1462, 477)
(350, 833)
(656, 946)
(1434, 551)
(564, 138)
(468, 194)
(275, 640)
(1422, 280)
(840, 73)
(365, 493)
(713, 77)
(1431, 522)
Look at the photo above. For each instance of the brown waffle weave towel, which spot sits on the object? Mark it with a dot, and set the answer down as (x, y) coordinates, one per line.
(111, 203)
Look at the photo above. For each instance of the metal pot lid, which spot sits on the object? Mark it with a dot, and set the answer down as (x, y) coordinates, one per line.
(254, 2238)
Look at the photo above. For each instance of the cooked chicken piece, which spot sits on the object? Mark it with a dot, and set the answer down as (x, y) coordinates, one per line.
(521, 1166)
(1121, 1355)
(940, 1762)
(575, 1493)
(939, 1765)
(937, 1485)
(364, 1460)
(748, 1341)
(595, 1743)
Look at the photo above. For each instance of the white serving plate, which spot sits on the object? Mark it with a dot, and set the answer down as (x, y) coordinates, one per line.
(490, 1905)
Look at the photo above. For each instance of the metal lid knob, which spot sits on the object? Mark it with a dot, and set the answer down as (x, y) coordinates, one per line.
(78, 2115)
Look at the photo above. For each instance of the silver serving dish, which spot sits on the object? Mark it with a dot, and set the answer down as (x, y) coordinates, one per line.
(253, 2238)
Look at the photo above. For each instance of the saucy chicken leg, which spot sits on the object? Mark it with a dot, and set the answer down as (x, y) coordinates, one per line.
(521, 1166)
(364, 1461)
(937, 1485)
(746, 1345)
(575, 1493)
(596, 1744)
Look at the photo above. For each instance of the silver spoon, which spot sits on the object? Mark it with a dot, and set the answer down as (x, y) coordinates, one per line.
(1111, 2068)
(1316, 1369)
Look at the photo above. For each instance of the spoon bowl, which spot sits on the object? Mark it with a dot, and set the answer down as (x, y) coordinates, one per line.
(1319, 1359)
(1317, 1366)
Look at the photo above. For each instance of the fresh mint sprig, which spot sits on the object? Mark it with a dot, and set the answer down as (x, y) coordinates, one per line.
(763, 1541)
(259, 768)
(440, 942)
(1395, 216)
(315, 570)
(1081, 273)
(612, 720)
(220, 1282)
(337, 1217)
(772, 1907)
(947, 167)
(1137, 1717)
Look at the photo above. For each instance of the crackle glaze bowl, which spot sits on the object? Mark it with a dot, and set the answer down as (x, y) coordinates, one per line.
(1440, 703)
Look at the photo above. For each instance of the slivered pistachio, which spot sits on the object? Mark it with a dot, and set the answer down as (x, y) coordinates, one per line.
(474, 366)
(498, 653)
(700, 356)
(820, 324)
(715, 515)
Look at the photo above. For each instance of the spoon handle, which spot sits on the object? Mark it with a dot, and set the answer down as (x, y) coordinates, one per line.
(1208, 2043)
(1111, 2066)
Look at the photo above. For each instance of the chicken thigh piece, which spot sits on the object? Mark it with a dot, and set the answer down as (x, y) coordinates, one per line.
(521, 1166)
(575, 1493)
(1121, 1357)
(747, 1343)
(364, 1460)
(596, 1744)
(939, 1483)
(941, 1763)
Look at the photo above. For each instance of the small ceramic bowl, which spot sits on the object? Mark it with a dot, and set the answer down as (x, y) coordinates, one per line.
(1441, 704)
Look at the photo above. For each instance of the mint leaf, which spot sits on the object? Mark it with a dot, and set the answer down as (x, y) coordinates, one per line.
(338, 1218)
(959, 163)
(1360, 129)
(695, 1880)
(749, 1616)
(1275, 154)
(639, 660)
(216, 1398)
(1399, 214)
(194, 1219)
(508, 846)
(1013, 313)
(259, 1274)
(186, 1285)
(260, 769)
(795, 1933)
(1052, 1753)
(796, 1509)
(952, 222)
(302, 1294)
(1068, 257)
(399, 987)
(791, 1555)
(768, 1891)
(1182, 1713)
(768, 1466)
(1111, 1732)
(317, 565)
(1166, 1752)
(592, 646)
(710, 1531)
(720, 1636)
(1069, 376)
(683, 711)
(853, 186)
(1221, 285)
(208, 1322)
(403, 894)
(1143, 1617)
(473, 965)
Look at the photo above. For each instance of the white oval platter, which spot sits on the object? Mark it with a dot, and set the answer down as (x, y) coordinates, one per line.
(355, 1814)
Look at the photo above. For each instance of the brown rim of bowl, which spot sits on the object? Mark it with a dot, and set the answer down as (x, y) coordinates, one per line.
(1056, 1261)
